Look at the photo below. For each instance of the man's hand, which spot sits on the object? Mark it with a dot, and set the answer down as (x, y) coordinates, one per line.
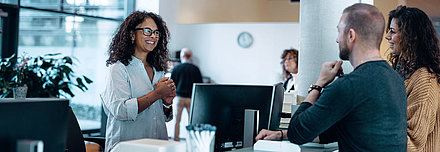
(328, 72)
(268, 135)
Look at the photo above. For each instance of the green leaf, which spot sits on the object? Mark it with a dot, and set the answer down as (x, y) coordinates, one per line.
(87, 80)
(80, 87)
(79, 81)
(66, 69)
(52, 54)
(46, 65)
(68, 91)
(68, 60)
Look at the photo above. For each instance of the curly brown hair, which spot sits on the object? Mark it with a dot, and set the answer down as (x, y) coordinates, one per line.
(419, 44)
(294, 52)
(121, 48)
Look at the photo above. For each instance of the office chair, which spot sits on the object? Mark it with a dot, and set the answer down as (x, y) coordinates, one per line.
(75, 139)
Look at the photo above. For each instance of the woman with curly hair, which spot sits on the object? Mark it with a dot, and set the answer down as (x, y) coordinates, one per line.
(138, 98)
(415, 54)
(290, 68)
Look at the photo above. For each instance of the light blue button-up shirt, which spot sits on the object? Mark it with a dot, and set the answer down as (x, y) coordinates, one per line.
(119, 99)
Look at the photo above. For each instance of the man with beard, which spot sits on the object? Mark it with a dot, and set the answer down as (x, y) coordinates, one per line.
(364, 110)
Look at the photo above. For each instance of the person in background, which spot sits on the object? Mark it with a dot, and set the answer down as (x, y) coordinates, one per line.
(184, 75)
(137, 98)
(415, 54)
(290, 68)
(364, 110)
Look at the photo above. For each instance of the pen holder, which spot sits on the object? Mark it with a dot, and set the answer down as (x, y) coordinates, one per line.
(201, 138)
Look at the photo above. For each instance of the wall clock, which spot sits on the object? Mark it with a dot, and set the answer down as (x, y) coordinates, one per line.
(245, 39)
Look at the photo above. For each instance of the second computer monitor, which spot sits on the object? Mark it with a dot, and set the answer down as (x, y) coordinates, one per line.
(224, 106)
(34, 119)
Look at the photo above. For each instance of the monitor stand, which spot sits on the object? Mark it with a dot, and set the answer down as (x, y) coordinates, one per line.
(250, 129)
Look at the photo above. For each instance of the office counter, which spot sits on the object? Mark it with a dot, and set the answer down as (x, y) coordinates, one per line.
(303, 149)
(286, 146)
(31, 99)
(172, 146)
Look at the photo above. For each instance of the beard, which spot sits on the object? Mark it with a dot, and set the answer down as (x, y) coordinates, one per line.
(344, 51)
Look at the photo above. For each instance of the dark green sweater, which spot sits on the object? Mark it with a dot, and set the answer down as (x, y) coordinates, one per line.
(184, 76)
(363, 111)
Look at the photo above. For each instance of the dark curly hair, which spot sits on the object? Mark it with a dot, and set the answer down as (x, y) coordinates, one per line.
(294, 52)
(121, 48)
(419, 44)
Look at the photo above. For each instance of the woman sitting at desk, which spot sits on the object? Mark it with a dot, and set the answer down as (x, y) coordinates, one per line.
(290, 68)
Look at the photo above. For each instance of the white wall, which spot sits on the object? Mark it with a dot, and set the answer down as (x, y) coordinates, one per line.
(218, 55)
(147, 5)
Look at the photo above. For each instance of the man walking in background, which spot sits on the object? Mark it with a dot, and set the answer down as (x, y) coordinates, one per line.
(184, 76)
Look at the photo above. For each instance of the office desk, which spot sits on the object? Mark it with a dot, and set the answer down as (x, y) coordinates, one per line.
(303, 149)
(265, 146)
(31, 99)
(172, 146)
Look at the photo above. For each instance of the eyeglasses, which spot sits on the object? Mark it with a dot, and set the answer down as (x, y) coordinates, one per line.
(288, 59)
(148, 32)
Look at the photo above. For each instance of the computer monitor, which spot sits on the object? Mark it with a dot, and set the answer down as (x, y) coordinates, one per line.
(224, 106)
(33, 119)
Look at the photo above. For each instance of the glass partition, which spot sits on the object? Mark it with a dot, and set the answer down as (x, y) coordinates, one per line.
(12, 2)
(1, 31)
(86, 39)
(100, 8)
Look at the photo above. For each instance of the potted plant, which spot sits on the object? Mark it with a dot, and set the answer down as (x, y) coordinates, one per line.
(49, 75)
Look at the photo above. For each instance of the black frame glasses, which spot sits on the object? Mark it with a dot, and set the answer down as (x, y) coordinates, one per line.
(288, 59)
(148, 32)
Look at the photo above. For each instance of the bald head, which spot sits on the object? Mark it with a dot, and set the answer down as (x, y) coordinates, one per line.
(367, 21)
(185, 55)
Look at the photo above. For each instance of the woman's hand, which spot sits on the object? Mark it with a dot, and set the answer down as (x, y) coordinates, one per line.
(168, 100)
(165, 88)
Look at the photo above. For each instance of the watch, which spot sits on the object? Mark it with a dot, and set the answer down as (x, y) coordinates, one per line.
(317, 87)
(245, 39)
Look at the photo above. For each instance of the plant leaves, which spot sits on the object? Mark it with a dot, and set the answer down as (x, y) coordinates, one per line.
(45, 75)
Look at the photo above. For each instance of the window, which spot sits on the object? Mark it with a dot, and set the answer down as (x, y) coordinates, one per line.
(98, 8)
(14, 2)
(78, 28)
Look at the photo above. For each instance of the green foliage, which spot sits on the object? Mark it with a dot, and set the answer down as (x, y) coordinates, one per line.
(45, 76)
(7, 74)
